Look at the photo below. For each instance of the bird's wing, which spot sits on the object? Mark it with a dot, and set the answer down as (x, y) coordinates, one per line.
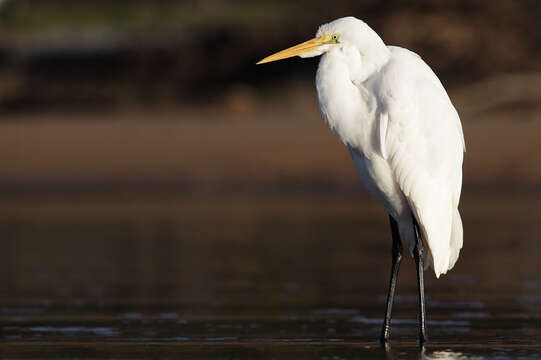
(421, 139)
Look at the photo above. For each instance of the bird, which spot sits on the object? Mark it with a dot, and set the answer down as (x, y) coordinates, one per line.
(391, 111)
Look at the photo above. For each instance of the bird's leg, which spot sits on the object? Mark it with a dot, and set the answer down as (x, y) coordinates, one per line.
(397, 258)
(418, 254)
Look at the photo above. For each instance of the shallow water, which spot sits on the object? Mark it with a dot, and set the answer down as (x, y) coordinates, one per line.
(267, 276)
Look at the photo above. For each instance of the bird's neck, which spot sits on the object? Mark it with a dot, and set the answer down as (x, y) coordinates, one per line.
(345, 98)
(347, 108)
(371, 64)
(362, 64)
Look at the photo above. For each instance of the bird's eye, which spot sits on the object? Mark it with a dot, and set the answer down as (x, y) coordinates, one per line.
(334, 37)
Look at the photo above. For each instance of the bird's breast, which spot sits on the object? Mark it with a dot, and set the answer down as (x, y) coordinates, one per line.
(351, 112)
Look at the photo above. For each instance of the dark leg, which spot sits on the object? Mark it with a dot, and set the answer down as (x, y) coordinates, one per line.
(418, 254)
(397, 258)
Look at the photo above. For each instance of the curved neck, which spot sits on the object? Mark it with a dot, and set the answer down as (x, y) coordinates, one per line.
(347, 107)
(363, 56)
(370, 64)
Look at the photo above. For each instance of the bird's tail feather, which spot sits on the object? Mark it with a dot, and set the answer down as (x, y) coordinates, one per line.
(446, 263)
(455, 243)
(442, 252)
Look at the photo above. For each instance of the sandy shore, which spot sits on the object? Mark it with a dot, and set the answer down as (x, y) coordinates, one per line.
(249, 137)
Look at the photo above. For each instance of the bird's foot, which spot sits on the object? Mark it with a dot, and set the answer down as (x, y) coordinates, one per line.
(385, 337)
(422, 339)
(385, 344)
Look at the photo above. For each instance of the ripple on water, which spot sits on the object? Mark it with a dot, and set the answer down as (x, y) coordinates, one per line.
(456, 304)
(458, 325)
(335, 311)
(71, 330)
(130, 316)
(470, 315)
(166, 316)
(20, 310)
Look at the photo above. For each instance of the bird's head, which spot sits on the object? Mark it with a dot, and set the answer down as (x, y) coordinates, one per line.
(348, 32)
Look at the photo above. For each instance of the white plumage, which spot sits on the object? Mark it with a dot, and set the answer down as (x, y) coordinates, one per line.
(402, 131)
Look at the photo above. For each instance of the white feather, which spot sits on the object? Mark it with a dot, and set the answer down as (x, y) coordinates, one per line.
(402, 131)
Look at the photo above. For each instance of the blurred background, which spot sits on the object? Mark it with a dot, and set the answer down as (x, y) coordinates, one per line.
(150, 170)
(126, 93)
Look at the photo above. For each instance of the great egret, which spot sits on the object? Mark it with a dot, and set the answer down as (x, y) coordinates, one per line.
(404, 135)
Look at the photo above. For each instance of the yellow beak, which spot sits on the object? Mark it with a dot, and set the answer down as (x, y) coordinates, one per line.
(297, 50)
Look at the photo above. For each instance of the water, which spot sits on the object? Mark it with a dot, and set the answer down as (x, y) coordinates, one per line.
(278, 275)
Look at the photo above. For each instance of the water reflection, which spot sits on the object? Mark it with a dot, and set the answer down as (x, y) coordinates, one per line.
(447, 355)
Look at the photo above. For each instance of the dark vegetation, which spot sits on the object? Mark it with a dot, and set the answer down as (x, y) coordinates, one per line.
(98, 55)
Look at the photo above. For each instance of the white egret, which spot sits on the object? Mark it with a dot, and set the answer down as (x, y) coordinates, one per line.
(404, 135)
